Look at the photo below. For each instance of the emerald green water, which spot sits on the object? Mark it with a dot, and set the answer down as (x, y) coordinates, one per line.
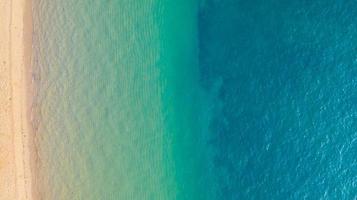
(117, 100)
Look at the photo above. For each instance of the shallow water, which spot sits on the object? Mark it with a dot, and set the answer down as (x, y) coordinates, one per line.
(116, 89)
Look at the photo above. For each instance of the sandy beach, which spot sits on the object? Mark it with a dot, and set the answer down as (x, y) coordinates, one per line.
(15, 129)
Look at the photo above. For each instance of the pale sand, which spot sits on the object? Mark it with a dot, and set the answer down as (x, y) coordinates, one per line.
(15, 129)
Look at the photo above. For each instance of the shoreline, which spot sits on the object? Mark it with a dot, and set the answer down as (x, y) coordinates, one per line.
(20, 65)
(16, 34)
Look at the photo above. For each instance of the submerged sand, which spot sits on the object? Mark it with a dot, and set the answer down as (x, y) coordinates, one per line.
(15, 134)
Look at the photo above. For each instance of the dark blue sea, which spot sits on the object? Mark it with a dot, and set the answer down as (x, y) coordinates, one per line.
(285, 114)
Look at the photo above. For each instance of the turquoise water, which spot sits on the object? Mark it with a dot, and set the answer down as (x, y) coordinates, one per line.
(117, 90)
(213, 99)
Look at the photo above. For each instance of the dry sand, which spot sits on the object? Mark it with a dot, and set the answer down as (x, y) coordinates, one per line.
(15, 129)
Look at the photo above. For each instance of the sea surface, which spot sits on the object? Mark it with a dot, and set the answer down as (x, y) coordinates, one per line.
(213, 99)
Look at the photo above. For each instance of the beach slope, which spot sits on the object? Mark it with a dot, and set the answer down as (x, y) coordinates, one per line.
(15, 46)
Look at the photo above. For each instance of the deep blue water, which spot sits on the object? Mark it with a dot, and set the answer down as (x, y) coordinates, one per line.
(285, 74)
